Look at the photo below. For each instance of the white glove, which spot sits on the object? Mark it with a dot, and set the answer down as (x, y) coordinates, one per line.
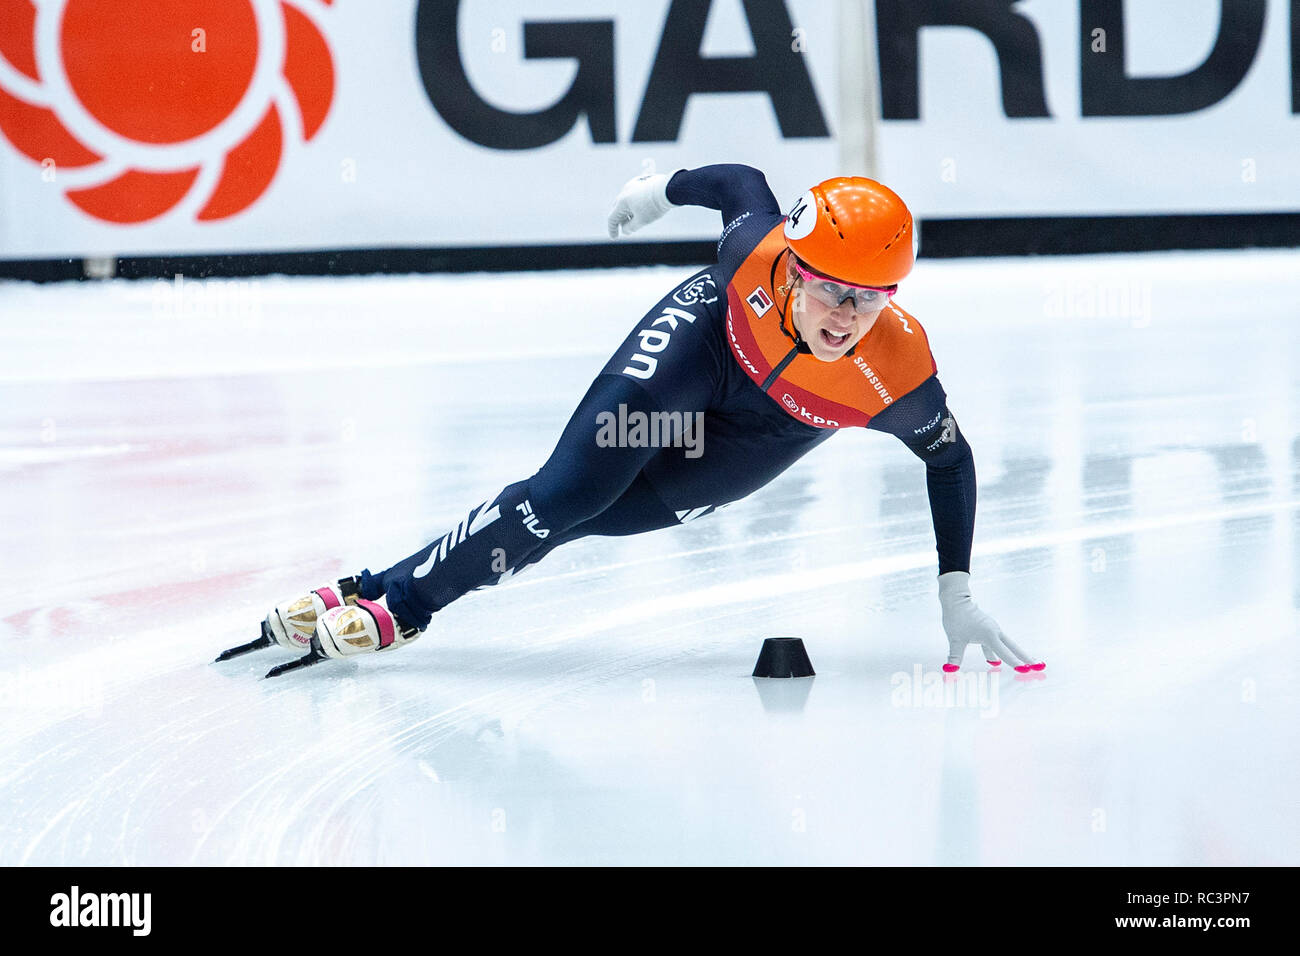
(967, 624)
(641, 202)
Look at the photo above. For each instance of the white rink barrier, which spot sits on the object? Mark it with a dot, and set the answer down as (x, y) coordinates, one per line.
(295, 126)
(1090, 107)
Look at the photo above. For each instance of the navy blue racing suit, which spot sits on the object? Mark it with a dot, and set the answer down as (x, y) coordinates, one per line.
(712, 436)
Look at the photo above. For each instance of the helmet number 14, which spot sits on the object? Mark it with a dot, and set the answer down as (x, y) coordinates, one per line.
(799, 209)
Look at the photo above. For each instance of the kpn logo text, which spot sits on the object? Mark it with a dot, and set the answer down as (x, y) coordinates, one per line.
(102, 909)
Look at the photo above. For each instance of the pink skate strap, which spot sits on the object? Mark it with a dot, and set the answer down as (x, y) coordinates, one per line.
(327, 595)
(383, 619)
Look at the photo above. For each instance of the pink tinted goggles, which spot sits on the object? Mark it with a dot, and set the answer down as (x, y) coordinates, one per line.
(832, 292)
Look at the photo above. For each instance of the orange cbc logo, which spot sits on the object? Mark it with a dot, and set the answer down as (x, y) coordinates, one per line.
(136, 105)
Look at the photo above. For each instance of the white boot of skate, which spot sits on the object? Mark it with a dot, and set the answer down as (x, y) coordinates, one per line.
(290, 625)
(360, 628)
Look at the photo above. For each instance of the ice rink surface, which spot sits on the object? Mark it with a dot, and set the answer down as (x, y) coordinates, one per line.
(174, 461)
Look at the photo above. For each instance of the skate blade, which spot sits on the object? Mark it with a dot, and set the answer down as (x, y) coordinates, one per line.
(305, 661)
(266, 640)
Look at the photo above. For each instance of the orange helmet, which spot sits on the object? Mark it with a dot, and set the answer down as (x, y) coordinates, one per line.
(853, 229)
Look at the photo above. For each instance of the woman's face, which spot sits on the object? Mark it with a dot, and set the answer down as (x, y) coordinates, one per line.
(830, 331)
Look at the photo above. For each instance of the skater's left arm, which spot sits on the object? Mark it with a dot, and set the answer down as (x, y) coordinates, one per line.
(922, 421)
(736, 191)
